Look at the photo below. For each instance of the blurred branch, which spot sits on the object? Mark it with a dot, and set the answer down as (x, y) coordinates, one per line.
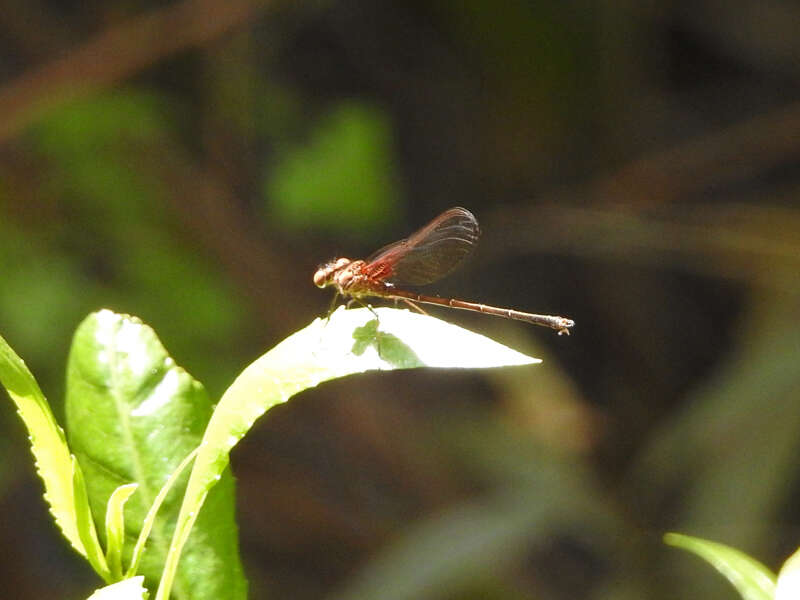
(742, 150)
(116, 54)
(753, 244)
(210, 210)
(642, 212)
(35, 31)
(761, 33)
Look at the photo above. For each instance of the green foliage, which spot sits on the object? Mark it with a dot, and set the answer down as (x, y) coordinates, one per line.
(115, 527)
(86, 525)
(108, 235)
(752, 579)
(33, 271)
(53, 461)
(751, 398)
(135, 420)
(343, 178)
(350, 342)
(89, 143)
(132, 416)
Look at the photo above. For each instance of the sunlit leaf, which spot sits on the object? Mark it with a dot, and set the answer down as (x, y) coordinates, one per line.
(115, 527)
(150, 519)
(133, 416)
(351, 341)
(753, 580)
(127, 589)
(86, 525)
(53, 461)
(788, 587)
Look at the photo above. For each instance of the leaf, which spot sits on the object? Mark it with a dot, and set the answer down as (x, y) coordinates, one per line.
(343, 178)
(788, 587)
(149, 520)
(753, 580)
(115, 528)
(127, 589)
(49, 447)
(132, 417)
(761, 371)
(351, 341)
(86, 527)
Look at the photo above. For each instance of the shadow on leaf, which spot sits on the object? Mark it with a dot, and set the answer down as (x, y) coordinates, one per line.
(388, 346)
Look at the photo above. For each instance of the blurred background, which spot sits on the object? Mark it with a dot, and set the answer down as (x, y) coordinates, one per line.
(634, 166)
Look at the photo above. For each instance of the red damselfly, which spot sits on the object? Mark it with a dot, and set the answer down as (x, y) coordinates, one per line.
(424, 257)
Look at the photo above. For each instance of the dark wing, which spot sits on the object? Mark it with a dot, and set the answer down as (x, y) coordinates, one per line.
(430, 253)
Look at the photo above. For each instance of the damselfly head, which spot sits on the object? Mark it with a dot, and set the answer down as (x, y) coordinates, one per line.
(324, 275)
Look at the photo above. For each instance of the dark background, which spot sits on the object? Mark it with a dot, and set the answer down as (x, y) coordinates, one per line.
(634, 165)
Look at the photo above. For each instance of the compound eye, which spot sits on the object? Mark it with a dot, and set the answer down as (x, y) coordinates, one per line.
(321, 278)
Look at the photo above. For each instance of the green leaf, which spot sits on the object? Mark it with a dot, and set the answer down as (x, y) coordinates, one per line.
(343, 178)
(127, 589)
(115, 528)
(150, 519)
(788, 587)
(351, 341)
(86, 527)
(133, 416)
(50, 450)
(86, 143)
(753, 580)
